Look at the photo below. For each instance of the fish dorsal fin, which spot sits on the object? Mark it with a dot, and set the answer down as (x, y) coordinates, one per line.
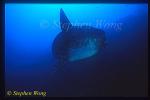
(64, 22)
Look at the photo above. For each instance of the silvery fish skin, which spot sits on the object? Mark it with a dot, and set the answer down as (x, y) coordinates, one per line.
(75, 43)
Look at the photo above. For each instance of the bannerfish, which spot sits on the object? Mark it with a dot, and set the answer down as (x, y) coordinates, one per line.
(76, 43)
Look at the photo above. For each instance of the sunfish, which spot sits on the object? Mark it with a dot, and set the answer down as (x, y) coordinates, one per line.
(76, 43)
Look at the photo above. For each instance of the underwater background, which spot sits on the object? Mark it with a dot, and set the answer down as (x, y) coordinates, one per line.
(119, 70)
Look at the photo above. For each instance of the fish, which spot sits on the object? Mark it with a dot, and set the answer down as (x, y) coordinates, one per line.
(75, 43)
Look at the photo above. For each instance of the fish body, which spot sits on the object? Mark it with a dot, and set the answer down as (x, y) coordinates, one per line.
(75, 43)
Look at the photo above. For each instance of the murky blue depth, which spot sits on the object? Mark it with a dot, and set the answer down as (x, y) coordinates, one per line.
(29, 65)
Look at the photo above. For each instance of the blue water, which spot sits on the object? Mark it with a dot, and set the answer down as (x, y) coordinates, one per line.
(31, 28)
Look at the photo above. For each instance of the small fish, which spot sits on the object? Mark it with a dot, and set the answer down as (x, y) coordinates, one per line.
(75, 43)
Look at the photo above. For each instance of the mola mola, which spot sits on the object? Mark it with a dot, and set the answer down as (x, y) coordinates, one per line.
(76, 43)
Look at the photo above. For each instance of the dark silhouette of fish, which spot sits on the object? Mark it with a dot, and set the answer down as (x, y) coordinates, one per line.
(76, 43)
